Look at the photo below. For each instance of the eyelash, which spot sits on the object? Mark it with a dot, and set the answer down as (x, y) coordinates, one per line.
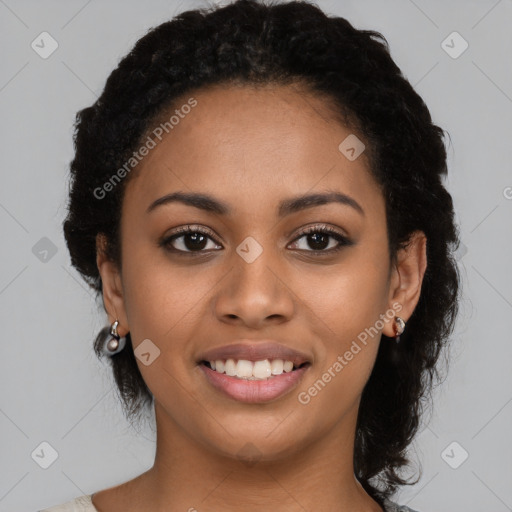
(342, 240)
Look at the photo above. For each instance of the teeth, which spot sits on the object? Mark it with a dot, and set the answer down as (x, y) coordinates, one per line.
(277, 366)
(230, 368)
(261, 369)
(244, 368)
(249, 370)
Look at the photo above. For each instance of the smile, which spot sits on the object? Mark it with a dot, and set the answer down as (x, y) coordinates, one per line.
(253, 381)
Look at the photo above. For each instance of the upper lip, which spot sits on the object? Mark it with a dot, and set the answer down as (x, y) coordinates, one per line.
(251, 351)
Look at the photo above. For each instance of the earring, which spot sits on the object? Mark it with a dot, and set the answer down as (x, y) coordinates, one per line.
(114, 344)
(401, 326)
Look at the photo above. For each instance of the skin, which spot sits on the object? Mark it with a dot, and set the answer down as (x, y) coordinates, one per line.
(253, 148)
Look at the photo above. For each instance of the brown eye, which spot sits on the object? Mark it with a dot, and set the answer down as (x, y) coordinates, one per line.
(317, 237)
(190, 240)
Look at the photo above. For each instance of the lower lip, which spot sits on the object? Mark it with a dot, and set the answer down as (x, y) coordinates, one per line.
(254, 391)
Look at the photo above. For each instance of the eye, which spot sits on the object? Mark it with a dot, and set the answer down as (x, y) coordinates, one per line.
(194, 240)
(188, 240)
(318, 238)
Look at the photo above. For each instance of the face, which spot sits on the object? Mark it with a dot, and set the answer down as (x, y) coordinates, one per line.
(246, 274)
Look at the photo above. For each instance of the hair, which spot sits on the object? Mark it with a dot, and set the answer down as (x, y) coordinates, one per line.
(294, 43)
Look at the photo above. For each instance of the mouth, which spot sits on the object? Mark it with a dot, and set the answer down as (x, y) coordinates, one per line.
(253, 371)
(261, 370)
(253, 382)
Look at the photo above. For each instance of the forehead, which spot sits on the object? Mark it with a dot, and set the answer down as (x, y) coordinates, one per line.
(242, 142)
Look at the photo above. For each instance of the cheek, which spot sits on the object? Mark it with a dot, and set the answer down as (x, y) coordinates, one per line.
(165, 303)
(345, 308)
(163, 306)
(346, 313)
(159, 297)
(348, 297)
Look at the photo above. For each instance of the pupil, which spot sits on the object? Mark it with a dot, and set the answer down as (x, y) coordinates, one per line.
(198, 241)
(315, 237)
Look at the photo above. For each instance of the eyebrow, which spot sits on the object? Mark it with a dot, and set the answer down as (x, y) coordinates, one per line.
(286, 207)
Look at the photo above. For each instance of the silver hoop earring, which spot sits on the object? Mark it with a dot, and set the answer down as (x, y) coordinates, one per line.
(115, 343)
(401, 326)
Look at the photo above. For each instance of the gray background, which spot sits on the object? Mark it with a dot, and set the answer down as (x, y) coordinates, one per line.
(54, 389)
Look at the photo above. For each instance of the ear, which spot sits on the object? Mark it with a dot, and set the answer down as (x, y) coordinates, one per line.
(112, 286)
(406, 280)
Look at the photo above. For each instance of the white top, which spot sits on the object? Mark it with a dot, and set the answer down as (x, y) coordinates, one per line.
(84, 504)
(80, 504)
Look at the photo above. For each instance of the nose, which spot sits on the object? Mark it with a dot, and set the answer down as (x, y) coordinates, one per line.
(254, 294)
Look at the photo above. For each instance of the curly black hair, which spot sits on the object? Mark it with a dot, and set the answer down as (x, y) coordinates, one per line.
(250, 42)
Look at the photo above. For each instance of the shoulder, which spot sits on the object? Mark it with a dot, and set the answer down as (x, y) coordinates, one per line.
(391, 506)
(80, 504)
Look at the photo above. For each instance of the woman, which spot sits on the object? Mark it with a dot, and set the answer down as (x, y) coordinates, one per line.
(257, 197)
